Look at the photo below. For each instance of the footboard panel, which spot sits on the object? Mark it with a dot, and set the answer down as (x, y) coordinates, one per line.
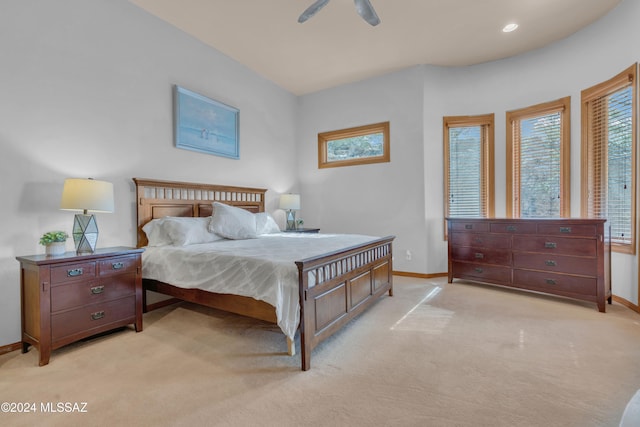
(343, 284)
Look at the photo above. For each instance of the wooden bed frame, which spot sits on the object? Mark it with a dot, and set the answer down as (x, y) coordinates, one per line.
(346, 281)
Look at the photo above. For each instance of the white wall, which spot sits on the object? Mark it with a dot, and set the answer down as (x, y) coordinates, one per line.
(565, 68)
(87, 92)
(377, 199)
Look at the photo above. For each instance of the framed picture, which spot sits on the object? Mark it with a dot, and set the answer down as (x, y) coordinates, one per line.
(205, 125)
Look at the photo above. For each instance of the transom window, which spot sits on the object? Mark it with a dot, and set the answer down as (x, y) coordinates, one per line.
(538, 141)
(608, 149)
(354, 146)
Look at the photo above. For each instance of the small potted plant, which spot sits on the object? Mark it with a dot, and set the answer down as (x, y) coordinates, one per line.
(54, 242)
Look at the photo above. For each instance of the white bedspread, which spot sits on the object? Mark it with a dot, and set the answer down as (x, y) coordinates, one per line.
(261, 268)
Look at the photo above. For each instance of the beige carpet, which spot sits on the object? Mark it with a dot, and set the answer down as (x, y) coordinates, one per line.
(435, 354)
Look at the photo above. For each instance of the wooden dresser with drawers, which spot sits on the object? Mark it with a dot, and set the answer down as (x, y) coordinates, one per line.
(566, 257)
(70, 297)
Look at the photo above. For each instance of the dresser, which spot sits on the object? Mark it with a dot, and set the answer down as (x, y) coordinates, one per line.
(69, 297)
(566, 257)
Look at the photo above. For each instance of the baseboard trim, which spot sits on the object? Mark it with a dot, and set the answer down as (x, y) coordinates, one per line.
(626, 303)
(10, 347)
(418, 275)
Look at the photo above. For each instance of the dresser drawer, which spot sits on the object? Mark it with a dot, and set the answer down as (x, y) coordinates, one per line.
(482, 255)
(513, 227)
(495, 241)
(72, 272)
(556, 263)
(585, 230)
(555, 244)
(93, 316)
(554, 282)
(76, 294)
(119, 265)
(485, 273)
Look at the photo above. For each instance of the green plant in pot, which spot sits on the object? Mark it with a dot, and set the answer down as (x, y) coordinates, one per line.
(54, 242)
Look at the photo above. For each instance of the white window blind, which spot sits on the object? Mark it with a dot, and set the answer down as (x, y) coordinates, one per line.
(467, 187)
(537, 168)
(610, 162)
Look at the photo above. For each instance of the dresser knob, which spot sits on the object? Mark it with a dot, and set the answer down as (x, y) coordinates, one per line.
(97, 315)
(550, 245)
(117, 265)
(550, 282)
(75, 272)
(97, 289)
(550, 263)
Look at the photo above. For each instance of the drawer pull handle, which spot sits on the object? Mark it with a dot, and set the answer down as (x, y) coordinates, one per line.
(479, 255)
(550, 263)
(565, 229)
(512, 228)
(477, 240)
(97, 289)
(117, 265)
(478, 270)
(550, 245)
(550, 282)
(97, 315)
(468, 226)
(75, 272)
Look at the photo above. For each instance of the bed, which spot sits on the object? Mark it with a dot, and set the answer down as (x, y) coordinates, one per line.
(332, 287)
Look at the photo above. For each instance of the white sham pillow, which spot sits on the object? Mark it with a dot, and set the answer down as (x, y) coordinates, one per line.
(265, 224)
(156, 233)
(185, 231)
(232, 223)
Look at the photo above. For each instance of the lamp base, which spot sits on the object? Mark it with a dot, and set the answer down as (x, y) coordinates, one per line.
(85, 233)
(291, 220)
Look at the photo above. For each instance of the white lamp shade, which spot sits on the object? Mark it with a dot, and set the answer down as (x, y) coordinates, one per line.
(87, 195)
(290, 201)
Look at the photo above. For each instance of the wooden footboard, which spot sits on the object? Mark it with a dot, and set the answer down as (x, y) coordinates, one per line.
(336, 287)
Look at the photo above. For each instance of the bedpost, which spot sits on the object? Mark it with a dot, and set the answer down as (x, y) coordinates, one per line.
(305, 345)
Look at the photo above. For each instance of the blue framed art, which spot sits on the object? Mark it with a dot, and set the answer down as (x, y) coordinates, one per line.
(205, 125)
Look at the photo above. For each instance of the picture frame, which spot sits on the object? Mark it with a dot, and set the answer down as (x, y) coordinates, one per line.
(204, 125)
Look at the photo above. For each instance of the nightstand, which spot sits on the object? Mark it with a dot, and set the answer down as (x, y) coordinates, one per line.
(69, 297)
(302, 230)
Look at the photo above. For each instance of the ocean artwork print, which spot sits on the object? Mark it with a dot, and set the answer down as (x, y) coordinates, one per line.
(205, 125)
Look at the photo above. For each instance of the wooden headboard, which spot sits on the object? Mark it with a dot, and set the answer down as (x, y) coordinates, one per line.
(157, 199)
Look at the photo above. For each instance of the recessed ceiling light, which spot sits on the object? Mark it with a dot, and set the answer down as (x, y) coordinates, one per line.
(509, 27)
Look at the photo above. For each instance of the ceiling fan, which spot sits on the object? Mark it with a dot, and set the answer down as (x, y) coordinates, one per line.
(364, 8)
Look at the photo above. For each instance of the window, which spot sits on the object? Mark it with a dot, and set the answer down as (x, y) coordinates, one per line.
(354, 146)
(538, 144)
(608, 153)
(468, 166)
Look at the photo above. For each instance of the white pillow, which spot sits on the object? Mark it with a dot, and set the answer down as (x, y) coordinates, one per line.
(189, 231)
(156, 234)
(265, 224)
(232, 223)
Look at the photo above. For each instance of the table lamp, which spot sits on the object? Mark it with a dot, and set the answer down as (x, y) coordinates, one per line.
(290, 203)
(86, 195)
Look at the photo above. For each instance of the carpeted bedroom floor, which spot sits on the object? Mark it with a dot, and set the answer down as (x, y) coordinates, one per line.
(435, 354)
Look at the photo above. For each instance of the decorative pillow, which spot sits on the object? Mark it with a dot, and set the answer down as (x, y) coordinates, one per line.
(156, 234)
(189, 231)
(232, 223)
(265, 224)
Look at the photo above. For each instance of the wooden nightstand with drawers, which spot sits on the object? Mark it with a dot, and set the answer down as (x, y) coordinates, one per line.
(70, 297)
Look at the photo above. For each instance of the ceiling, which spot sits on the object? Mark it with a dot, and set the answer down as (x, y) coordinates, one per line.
(336, 46)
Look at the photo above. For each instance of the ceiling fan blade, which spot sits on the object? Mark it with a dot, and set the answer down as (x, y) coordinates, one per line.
(312, 10)
(365, 10)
